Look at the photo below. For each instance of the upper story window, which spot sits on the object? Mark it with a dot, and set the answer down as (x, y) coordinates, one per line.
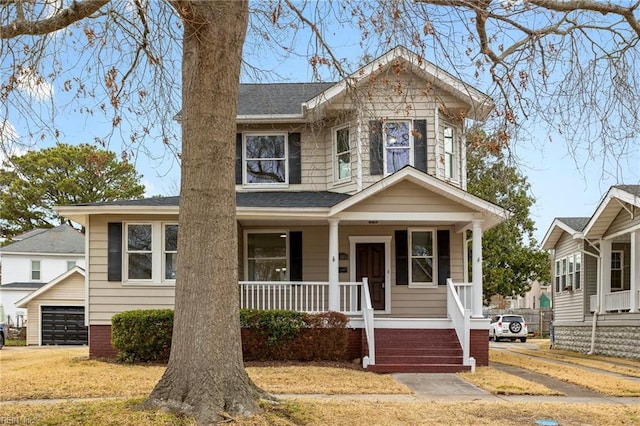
(450, 153)
(35, 270)
(342, 154)
(150, 252)
(71, 264)
(422, 244)
(265, 158)
(397, 145)
(266, 258)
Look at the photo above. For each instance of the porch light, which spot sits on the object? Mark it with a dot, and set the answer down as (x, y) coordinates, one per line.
(283, 236)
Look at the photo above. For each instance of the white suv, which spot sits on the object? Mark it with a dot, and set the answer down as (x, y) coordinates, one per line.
(508, 327)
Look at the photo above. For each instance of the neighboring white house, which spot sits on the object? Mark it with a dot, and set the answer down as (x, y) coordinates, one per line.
(33, 260)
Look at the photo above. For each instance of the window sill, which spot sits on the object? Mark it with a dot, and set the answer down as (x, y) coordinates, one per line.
(420, 285)
(171, 283)
(342, 182)
(265, 185)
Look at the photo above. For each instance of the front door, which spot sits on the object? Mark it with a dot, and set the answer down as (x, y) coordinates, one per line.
(370, 263)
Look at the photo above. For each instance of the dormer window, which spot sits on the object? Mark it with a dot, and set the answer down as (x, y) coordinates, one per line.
(265, 158)
(397, 145)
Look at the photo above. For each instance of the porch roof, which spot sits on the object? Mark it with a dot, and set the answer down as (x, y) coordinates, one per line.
(560, 225)
(618, 197)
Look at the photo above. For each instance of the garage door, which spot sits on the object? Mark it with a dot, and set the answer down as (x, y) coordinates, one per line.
(63, 325)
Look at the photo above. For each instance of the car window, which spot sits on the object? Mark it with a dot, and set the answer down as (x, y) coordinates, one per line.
(496, 318)
(512, 318)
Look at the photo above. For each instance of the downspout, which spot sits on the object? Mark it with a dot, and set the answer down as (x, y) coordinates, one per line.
(594, 322)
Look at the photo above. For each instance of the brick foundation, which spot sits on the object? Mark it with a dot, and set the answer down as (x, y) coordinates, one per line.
(100, 342)
(479, 342)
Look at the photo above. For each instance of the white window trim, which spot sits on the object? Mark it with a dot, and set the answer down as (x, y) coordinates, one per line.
(334, 162)
(434, 240)
(455, 155)
(157, 256)
(39, 270)
(621, 270)
(557, 285)
(284, 184)
(384, 143)
(246, 249)
(577, 260)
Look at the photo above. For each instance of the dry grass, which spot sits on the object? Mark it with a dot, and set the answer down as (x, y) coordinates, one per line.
(603, 383)
(323, 380)
(345, 413)
(52, 373)
(500, 383)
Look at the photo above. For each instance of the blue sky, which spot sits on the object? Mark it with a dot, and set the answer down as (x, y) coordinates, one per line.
(563, 184)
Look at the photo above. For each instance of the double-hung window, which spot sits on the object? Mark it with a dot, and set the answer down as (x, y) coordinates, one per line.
(151, 251)
(342, 154)
(397, 145)
(170, 250)
(577, 283)
(617, 282)
(564, 274)
(265, 159)
(423, 270)
(266, 256)
(558, 276)
(450, 153)
(570, 276)
(35, 270)
(139, 253)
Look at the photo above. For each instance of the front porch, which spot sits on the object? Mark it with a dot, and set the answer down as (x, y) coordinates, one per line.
(455, 342)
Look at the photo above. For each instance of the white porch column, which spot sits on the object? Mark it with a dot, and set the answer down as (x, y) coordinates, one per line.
(635, 270)
(334, 293)
(476, 269)
(605, 273)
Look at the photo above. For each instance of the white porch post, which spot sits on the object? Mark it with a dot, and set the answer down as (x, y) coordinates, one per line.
(635, 270)
(476, 271)
(605, 273)
(334, 294)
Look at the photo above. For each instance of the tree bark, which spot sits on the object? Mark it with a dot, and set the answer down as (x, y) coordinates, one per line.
(205, 377)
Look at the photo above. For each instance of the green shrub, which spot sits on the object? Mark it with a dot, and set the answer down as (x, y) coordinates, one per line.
(142, 335)
(276, 326)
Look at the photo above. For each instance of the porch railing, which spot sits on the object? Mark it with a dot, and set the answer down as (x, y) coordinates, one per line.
(460, 315)
(367, 316)
(303, 296)
(617, 301)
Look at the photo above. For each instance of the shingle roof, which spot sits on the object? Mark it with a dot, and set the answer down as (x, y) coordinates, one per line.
(276, 98)
(61, 239)
(577, 223)
(291, 199)
(631, 189)
(22, 285)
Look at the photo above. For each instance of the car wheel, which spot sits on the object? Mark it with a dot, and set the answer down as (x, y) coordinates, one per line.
(495, 337)
(515, 327)
(1, 340)
(523, 340)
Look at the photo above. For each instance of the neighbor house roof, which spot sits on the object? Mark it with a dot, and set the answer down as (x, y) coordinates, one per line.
(62, 239)
(618, 197)
(572, 225)
(22, 286)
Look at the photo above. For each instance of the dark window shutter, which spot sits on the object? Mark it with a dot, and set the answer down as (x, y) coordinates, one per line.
(295, 167)
(295, 256)
(444, 256)
(420, 145)
(114, 251)
(238, 158)
(376, 149)
(402, 258)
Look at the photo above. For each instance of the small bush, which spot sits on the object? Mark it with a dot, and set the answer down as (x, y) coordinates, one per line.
(276, 326)
(142, 335)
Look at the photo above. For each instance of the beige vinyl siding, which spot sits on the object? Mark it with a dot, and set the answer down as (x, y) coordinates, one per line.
(622, 222)
(69, 292)
(110, 297)
(568, 306)
(408, 197)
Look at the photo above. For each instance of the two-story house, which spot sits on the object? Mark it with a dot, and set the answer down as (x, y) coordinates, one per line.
(34, 259)
(596, 276)
(350, 197)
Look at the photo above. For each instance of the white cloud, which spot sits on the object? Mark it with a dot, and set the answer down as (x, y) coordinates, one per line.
(32, 83)
(9, 138)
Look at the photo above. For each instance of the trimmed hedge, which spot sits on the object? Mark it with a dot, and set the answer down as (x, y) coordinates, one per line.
(142, 335)
(145, 335)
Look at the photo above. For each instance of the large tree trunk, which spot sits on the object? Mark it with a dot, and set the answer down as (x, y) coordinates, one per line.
(205, 377)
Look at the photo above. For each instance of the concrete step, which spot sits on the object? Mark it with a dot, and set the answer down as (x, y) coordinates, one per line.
(418, 368)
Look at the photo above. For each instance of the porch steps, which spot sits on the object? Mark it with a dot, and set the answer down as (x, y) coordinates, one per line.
(417, 351)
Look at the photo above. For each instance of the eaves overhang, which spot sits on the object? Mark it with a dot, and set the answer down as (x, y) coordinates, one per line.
(608, 209)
